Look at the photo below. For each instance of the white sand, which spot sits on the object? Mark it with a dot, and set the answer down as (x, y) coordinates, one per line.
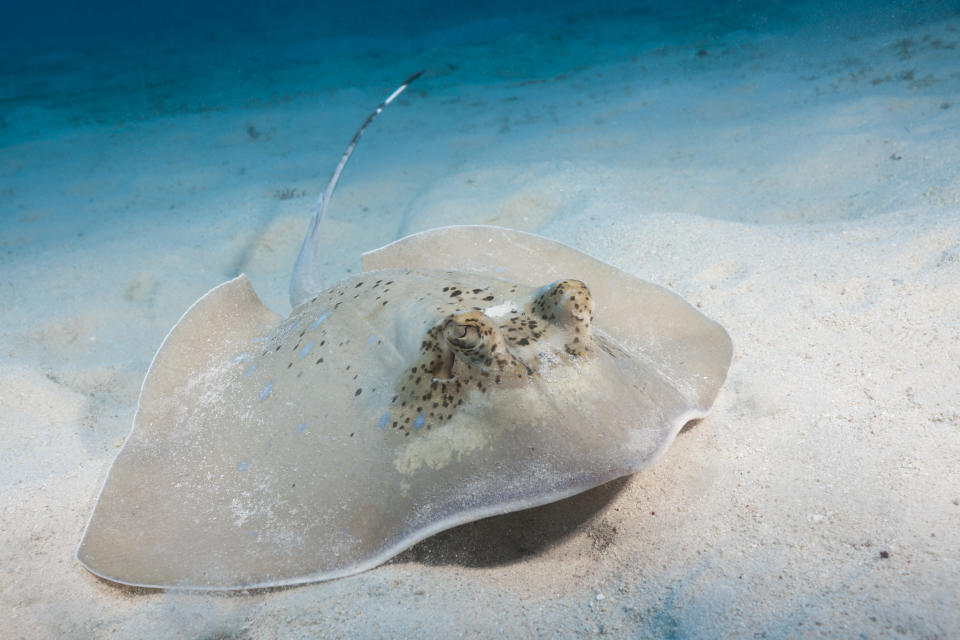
(810, 203)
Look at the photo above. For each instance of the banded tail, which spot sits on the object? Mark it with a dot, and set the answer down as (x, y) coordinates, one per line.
(306, 280)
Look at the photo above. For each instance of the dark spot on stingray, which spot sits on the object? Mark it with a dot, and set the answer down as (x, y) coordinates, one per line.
(357, 392)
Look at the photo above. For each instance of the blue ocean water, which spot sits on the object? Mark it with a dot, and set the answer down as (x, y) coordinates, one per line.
(196, 136)
(65, 64)
(119, 119)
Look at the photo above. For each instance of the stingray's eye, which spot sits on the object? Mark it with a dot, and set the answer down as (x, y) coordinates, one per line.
(462, 336)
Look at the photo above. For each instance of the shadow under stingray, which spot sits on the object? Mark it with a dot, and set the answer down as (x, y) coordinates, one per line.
(494, 541)
(490, 542)
(512, 537)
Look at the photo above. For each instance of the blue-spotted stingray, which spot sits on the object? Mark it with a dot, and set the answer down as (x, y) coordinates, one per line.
(468, 371)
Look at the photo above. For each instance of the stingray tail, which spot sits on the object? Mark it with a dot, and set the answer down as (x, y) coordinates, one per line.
(306, 279)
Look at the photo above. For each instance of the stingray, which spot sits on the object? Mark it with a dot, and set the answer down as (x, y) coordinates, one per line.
(468, 371)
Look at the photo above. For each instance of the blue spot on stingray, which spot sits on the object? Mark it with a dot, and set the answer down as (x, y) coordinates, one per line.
(250, 370)
(242, 466)
(418, 422)
(306, 349)
(265, 392)
(241, 357)
(301, 427)
(500, 269)
(253, 535)
(372, 339)
(316, 323)
(259, 339)
(384, 420)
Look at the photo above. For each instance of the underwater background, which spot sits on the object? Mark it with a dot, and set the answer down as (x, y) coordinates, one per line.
(791, 168)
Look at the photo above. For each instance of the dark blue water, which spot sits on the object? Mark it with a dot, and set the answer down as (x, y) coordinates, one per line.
(66, 64)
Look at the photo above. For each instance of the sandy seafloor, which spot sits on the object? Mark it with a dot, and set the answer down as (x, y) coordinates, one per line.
(792, 170)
